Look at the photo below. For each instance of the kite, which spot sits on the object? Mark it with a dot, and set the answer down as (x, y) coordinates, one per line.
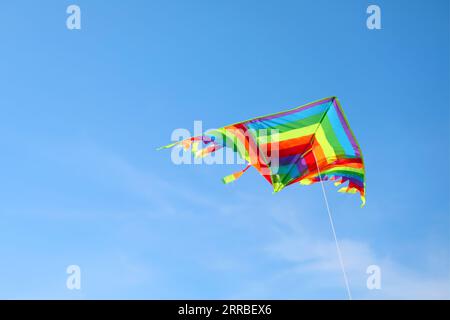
(308, 144)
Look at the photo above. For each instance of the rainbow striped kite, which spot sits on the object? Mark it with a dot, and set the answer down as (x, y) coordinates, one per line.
(307, 144)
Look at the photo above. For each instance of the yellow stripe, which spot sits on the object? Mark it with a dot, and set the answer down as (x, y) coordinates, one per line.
(291, 134)
(324, 144)
(344, 168)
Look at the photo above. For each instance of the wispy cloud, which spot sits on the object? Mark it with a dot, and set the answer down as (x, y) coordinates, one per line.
(317, 257)
(289, 239)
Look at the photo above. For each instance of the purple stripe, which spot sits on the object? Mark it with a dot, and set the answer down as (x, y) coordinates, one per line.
(287, 160)
(300, 162)
(357, 182)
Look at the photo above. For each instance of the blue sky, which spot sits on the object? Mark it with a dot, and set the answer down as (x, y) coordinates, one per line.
(82, 112)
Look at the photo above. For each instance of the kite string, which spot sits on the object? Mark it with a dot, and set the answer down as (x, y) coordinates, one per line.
(341, 261)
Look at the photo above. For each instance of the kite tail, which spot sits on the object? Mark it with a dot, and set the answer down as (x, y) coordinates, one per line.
(168, 146)
(193, 143)
(234, 176)
(210, 146)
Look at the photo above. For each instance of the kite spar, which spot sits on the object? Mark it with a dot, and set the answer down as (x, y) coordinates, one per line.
(308, 144)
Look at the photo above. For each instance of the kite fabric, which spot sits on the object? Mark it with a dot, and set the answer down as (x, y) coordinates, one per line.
(307, 144)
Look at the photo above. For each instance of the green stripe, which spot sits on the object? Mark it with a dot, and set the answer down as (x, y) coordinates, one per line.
(285, 127)
(228, 179)
(331, 137)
